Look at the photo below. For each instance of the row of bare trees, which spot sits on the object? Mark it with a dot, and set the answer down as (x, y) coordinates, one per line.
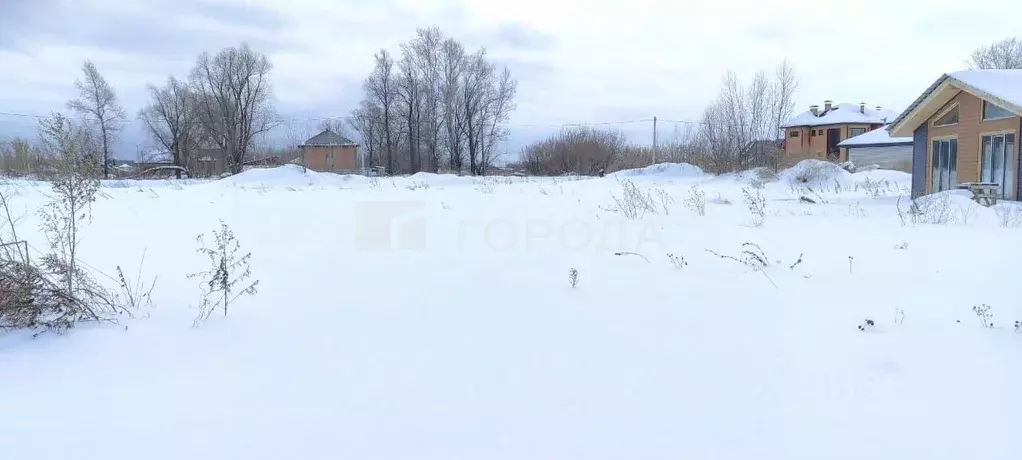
(435, 106)
(224, 105)
(739, 130)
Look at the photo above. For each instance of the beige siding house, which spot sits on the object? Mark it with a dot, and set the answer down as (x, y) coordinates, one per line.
(330, 152)
(815, 134)
(965, 128)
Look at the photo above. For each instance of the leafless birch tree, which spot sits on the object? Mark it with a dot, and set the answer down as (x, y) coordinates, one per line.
(97, 101)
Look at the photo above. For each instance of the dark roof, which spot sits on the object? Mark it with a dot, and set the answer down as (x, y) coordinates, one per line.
(919, 100)
(328, 137)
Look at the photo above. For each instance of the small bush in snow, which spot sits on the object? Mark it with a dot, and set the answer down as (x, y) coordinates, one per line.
(665, 198)
(866, 325)
(752, 256)
(633, 203)
(417, 185)
(757, 206)
(984, 315)
(59, 292)
(966, 213)
(1018, 326)
(933, 209)
(573, 277)
(677, 261)
(486, 188)
(875, 188)
(696, 201)
(1008, 215)
(223, 282)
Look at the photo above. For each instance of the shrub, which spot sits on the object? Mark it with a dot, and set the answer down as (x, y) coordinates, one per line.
(757, 206)
(696, 201)
(222, 282)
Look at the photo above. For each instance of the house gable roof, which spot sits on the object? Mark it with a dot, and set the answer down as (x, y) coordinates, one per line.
(842, 114)
(327, 138)
(879, 137)
(1002, 87)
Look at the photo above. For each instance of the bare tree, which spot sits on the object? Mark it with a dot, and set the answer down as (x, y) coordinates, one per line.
(436, 99)
(427, 51)
(1004, 54)
(171, 119)
(366, 121)
(452, 65)
(500, 102)
(409, 92)
(234, 99)
(339, 125)
(474, 83)
(98, 101)
(782, 95)
(742, 117)
(295, 134)
(381, 91)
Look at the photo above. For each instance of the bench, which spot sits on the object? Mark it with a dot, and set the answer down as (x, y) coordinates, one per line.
(985, 193)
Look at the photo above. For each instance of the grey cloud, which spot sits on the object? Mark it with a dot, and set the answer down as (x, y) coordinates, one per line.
(521, 37)
(165, 29)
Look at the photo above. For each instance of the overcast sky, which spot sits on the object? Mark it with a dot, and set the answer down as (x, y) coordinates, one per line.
(576, 61)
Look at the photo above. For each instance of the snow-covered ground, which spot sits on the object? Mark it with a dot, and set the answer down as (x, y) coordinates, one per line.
(432, 317)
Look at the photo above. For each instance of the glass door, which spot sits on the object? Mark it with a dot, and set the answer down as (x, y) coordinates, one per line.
(996, 163)
(943, 164)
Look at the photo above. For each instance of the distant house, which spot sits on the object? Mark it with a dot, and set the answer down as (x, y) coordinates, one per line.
(966, 128)
(877, 147)
(815, 134)
(330, 152)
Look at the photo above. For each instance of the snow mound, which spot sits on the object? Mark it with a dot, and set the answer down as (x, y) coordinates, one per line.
(815, 173)
(434, 179)
(292, 175)
(674, 170)
(889, 175)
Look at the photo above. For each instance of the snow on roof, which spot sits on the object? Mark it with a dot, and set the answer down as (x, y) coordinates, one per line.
(1003, 84)
(879, 136)
(840, 114)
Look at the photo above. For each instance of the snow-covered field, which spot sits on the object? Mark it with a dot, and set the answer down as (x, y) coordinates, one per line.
(432, 317)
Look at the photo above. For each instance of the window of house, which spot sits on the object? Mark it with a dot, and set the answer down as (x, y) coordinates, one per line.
(996, 159)
(812, 133)
(948, 118)
(793, 134)
(994, 112)
(943, 164)
(852, 132)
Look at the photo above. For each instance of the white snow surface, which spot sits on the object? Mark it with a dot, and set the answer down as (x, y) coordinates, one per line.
(455, 333)
(663, 170)
(842, 113)
(879, 136)
(1001, 83)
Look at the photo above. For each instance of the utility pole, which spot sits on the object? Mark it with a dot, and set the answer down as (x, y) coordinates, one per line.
(654, 140)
